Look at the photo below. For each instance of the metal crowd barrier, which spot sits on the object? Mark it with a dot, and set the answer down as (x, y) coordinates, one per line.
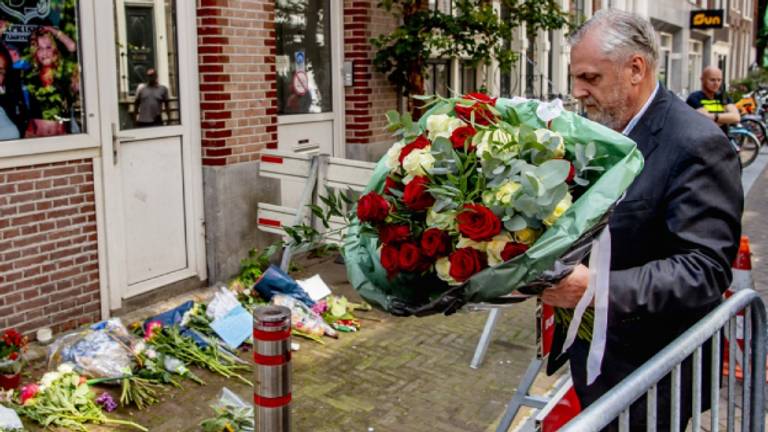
(616, 402)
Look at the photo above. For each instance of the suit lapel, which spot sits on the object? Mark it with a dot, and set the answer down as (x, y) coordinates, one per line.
(644, 133)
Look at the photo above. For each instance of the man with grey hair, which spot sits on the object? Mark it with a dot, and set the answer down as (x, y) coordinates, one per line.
(675, 233)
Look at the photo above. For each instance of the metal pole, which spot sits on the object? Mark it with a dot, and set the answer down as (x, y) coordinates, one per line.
(272, 356)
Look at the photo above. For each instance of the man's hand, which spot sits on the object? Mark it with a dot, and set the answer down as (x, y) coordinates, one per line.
(568, 292)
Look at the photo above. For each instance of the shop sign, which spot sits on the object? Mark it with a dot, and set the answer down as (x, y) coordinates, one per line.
(707, 19)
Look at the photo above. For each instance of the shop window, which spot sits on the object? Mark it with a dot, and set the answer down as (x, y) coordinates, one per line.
(40, 67)
(148, 75)
(303, 61)
(438, 78)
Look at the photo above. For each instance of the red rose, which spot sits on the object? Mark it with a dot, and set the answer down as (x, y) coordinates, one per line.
(14, 355)
(513, 249)
(389, 259)
(393, 233)
(465, 262)
(483, 116)
(372, 207)
(418, 143)
(478, 222)
(409, 258)
(416, 196)
(480, 97)
(571, 174)
(390, 184)
(461, 135)
(435, 243)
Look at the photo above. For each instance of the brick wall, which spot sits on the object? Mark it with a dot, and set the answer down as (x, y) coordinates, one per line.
(49, 273)
(238, 104)
(372, 95)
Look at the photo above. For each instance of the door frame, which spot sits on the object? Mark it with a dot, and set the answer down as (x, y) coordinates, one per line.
(337, 85)
(189, 130)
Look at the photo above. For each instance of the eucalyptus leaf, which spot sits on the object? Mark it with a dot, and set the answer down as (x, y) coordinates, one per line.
(531, 184)
(553, 172)
(515, 223)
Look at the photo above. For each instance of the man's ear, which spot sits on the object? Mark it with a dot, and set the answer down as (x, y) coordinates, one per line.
(638, 68)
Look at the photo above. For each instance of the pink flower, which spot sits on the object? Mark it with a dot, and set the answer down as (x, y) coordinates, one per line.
(28, 392)
(153, 328)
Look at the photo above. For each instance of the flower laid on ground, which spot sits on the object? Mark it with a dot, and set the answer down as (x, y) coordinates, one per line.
(170, 341)
(106, 402)
(12, 346)
(63, 399)
(229, 419)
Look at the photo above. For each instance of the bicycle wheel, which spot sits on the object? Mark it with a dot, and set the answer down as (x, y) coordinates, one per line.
(747, 145)
(756, 127)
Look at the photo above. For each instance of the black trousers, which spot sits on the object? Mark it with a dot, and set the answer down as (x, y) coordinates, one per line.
(618, 364)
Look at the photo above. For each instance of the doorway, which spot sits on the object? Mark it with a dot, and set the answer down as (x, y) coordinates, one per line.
(150, 144)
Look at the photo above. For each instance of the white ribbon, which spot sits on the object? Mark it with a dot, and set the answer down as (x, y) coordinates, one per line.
(597, 289)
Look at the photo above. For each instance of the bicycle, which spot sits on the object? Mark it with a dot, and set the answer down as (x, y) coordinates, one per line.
(746, 144)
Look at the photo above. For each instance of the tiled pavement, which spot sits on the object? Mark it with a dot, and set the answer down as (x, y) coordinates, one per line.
(396, 375)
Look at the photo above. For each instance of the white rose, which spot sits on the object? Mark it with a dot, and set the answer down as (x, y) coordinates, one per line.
(392, 160)
(436, 124)
(562, 206)
(526, 236)
(65, 368)
(418, 162)
(465, 242)
(496, 246)
(446, 221)
(48, 379)
(507, 191)
(443, 268)
(491, 140)
(443, 126)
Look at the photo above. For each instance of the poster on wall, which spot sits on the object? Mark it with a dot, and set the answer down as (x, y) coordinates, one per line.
(39, 69)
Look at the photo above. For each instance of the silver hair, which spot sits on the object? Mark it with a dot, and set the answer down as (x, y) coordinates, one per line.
(622, 34)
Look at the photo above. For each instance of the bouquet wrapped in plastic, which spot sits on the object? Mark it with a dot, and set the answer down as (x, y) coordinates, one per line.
(484, 200)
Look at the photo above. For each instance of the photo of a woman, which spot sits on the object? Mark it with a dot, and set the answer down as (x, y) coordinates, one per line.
(13, 112)
(52, 83)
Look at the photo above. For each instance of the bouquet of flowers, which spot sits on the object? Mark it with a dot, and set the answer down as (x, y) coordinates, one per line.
(62, 398)
(483, 197)
(12, 346)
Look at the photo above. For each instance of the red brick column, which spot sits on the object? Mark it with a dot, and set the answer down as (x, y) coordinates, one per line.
(238, 96)
(49, 271)
(372, 95)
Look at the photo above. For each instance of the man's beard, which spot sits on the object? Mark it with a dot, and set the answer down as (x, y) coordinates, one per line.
(612, 112)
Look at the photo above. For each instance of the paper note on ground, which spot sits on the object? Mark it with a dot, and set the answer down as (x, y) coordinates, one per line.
(315, 287)
(235, 327)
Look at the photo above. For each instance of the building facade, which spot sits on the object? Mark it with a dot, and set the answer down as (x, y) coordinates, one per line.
(115, 190)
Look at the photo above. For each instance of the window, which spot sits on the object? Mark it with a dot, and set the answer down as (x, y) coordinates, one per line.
(443, 6)
(148, 77)
(468, 78)
(303, 60)
(439, 78)
(694, 65)
(40, 70)
(665, 54)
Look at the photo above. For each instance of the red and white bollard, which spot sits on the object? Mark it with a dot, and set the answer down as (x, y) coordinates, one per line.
(272, 355)
(742, 279)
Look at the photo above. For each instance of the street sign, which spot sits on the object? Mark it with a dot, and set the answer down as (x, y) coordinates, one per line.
(707, 19)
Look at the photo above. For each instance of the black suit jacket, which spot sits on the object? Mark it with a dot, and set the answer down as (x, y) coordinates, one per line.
(674, 236)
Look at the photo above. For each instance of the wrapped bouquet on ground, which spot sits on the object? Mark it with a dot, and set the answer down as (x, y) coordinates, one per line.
(484, 200)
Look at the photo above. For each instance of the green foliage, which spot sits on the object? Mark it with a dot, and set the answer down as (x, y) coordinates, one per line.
(474, 32)
(229, 419)
(252, 267)
(750, 83)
